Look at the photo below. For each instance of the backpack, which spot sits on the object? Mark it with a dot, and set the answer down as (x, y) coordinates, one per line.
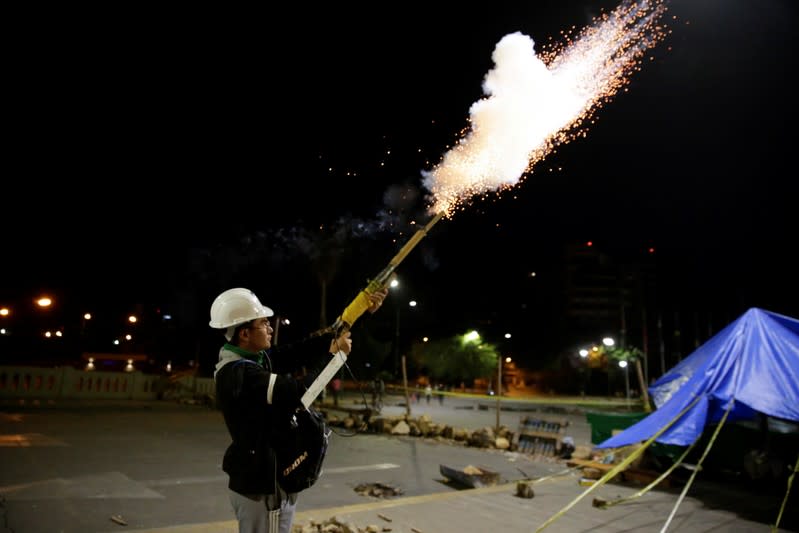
(300, 445)
(300, 448)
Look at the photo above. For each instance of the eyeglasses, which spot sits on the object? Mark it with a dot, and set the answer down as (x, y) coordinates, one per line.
(261, 325)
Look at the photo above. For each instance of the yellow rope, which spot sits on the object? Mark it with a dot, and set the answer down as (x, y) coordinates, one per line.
(646, 489)
(787, 491)
(618, 468)
(698, 466)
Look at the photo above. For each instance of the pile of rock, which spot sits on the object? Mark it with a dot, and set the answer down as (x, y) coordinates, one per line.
(423, 426)
(334, 525)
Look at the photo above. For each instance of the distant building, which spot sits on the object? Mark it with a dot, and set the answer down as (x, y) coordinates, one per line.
(607, 294)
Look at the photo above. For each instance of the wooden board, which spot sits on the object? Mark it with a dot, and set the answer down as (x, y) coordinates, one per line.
(486, 478)
(604, 467)
(633, 475)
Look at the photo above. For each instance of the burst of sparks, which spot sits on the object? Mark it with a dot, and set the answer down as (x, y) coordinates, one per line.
(534, 104)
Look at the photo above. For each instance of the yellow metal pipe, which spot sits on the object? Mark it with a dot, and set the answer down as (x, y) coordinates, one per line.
(360, 304)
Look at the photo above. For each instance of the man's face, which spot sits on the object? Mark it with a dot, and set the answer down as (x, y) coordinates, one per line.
(257, 336)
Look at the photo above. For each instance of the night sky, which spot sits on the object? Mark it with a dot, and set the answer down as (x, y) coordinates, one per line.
(155, 159)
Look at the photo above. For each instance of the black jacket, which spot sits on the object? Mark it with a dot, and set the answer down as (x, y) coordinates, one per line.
(257, 402)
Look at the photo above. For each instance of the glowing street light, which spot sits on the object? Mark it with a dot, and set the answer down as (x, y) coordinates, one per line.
(472, 336)
(279, 320)
(44, 301)
(623, 364)
(394, 285)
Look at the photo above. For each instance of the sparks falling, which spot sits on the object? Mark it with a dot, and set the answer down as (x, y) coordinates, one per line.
(534, 104)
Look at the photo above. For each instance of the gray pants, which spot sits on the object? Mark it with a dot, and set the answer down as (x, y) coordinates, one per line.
(264, 513)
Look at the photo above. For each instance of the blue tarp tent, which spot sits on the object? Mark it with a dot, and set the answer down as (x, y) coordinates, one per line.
(753, 361)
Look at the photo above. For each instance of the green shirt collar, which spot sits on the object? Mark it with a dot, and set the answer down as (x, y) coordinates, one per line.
(258, 357)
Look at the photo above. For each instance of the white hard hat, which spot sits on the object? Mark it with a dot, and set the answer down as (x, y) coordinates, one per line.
(235, 307)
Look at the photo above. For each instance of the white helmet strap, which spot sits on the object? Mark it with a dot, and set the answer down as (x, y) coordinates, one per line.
(229, 332)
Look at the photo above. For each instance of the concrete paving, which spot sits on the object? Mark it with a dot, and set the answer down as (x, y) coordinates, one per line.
(499, 509)
(69, 467)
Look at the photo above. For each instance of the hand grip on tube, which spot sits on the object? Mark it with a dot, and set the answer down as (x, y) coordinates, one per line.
(359, 305)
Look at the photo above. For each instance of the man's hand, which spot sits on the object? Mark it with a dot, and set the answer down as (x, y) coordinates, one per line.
(376, 299)
(342, 343)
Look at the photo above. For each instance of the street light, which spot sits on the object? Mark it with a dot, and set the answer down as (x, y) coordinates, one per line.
(278, 321)
(472, 336)
(499, 391)
(623, 364)
(394, 284)
(4, 312)
(624, 355)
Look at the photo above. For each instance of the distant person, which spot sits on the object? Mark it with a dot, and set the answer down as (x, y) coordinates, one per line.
(336, 386)
(373, 390)
(256, 391)
(440, 393)
(428, 393)
(566, 448)
(378, 388)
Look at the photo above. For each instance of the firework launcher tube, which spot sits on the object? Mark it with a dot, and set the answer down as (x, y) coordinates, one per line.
(361, 303)
(357, 307)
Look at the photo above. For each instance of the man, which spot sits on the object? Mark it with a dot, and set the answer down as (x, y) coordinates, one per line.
(379, 387)
(256, 391)
(336, 386)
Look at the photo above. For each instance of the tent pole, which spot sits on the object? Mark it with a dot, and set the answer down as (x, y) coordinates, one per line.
(698, 466)
(678, 462)
(642, 384)
(619, 467)
(787, 491)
